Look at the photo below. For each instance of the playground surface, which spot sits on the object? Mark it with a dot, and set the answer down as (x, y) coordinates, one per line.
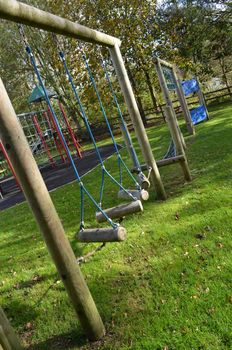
(55, 177)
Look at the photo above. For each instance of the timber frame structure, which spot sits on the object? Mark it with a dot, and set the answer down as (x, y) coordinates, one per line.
(30, 179)
(164, 88)
(171, 119)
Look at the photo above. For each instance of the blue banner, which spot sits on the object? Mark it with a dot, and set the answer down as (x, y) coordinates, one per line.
(198, 114)
(190, 86)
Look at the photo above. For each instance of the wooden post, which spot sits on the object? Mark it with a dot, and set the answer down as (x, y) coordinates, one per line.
(120, 211)
(163, 84)
(4, 341)
(47, 218)
(137, 121)
(202, 99)
(21, 13)
(7, 334)
(166, 95)
(183, 104)
(177, 141)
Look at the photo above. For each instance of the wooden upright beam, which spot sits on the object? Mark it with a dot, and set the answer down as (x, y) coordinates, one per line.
(164, 88)
(202, 99)
(47, 218)
(8, 338)
(183, 104)
(177, 141)
(166, 94)
(137, 121)
(4, 341)
(19, 12)
(163, 83)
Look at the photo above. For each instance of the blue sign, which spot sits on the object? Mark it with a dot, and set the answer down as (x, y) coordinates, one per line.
(190, 86)
(198, 114)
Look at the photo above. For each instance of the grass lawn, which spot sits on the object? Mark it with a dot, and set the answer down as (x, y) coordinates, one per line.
(168, 286)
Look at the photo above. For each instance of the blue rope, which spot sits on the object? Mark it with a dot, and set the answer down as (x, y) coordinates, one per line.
(82, 187)
(104, 170)
(100, 101)
(171, 152)
(120, 161)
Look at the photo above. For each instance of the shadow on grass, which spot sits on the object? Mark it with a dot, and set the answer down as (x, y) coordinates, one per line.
(64, 341)
(20, 311)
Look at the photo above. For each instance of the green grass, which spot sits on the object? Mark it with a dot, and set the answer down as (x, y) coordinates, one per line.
(168, 286)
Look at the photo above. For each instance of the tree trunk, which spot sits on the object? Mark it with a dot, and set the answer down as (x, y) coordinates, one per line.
(222, 64)
(138, 98)
(151, 90)
(156, 106)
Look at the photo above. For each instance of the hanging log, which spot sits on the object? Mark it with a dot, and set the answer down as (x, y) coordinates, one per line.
(142, 195)
(143, 181)
(108, 234)
(162, 162)
(120, 211)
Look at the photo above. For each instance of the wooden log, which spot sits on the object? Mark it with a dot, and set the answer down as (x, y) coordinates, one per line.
(47, 218)
(162, 162)
(8, 333)
(4, 341)
(143, 181)
(163, 62)
(178, 143)
(143, 167)
(21, 13)
(137, 121)
(121, 210)
(102, 235)
(168, 161)
(142, 195)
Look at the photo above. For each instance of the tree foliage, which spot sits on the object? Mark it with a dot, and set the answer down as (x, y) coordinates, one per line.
(196, 35)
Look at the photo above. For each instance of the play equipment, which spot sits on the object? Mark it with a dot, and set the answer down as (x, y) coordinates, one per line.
(6, 169)
(176, 149)
(93, 234)
(199, 113)
(169, 81)
(44, 142)
(39, 136)
(122, 210)
(37, 96)
(43, 137)
(27, 170)
(141, 178)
